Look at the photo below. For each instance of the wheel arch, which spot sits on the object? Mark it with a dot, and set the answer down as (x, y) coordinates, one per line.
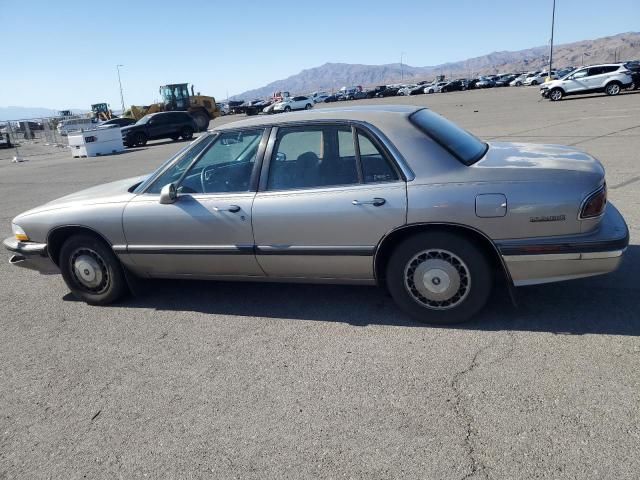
(58, 235)
(387, 244)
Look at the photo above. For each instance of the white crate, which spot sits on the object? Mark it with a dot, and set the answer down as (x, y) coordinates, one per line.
(95, 142)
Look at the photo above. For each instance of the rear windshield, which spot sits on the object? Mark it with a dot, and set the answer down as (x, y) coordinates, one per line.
(460, 143)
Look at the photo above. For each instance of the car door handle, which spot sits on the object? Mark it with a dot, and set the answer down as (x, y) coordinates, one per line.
(376, 202)
(231, 208)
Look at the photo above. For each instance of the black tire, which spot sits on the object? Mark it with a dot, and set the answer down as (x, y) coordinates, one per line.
(308, 106)
(202, 120)
(187, 133)
(469, 269)
(556, 94)
(612, 89)
(175, 138)
(518, 84)
(287, 108)
(140, 139)
(84, 251)
(534, 83)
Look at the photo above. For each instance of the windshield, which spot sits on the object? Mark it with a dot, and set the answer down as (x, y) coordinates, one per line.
(143, 120)
(192, 147)
(463, 145)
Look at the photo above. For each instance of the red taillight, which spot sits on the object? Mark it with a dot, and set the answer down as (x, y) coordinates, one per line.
(594, 204)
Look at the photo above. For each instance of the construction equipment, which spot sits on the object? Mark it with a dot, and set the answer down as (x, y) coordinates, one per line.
(176, 97)
(102, 112)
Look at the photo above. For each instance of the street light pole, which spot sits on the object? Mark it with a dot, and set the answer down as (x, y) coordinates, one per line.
(120, 83)
(401, 67)
(553, 21)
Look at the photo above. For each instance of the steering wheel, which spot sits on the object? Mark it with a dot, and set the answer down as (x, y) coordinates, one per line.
(205, 176)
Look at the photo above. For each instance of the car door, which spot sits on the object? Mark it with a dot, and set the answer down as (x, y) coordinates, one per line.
(328, 195)
(206, 231)
(158, 126)
(576, 82)
(594, 78)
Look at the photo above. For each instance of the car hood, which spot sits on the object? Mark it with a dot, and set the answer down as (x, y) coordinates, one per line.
(127, 128)
(527, 161)
(113, 192)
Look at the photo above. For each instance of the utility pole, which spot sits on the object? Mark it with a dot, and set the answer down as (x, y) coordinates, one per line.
(401, 67)
(120, 83)
(553, 21)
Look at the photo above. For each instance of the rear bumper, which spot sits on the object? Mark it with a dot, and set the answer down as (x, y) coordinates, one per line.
(554, 259)
(30, 255)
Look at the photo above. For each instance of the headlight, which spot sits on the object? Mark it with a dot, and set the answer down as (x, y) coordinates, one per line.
(19, 233)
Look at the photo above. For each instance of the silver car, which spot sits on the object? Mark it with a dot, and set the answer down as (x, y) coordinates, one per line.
(391, 195)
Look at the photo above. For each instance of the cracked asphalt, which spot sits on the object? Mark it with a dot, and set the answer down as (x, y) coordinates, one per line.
(221, 380)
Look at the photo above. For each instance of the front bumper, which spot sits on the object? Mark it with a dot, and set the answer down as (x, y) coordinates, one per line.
(554, 259)
(30, 255)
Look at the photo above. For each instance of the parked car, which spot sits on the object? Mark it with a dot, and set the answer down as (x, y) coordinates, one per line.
(505, 80)
(539, 78)
(374, 91)
(388, 92)
(331, 98)
(517, 81)
(634, 69)
(256, 106)
(434, 87)
(358, 95)
(609, 78)
(485, 82)
(120, 122)
(436, 234)
(293, 103)
(155, 126)
(453, 86)
(319, 97)
(405, 90)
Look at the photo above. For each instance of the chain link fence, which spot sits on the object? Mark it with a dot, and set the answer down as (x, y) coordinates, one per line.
(30, 137)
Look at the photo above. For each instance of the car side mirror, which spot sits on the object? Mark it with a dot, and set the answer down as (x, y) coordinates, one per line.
(168, 194)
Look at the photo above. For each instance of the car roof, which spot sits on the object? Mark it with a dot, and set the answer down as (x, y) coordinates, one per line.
(365, 113)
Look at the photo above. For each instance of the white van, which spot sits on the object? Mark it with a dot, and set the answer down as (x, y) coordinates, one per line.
(75, 124)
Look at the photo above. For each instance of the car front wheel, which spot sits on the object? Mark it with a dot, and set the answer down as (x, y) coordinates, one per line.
(439, 278)
(556, 94)
(308, 106)
(91, 270)
(140, 139)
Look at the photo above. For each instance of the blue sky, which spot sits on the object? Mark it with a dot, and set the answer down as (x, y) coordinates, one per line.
(63, 53)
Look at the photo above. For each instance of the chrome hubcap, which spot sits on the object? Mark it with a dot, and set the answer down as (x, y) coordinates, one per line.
(89, 270)
(437, 279)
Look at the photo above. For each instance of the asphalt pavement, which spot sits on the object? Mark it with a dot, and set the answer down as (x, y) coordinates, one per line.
(260, 381)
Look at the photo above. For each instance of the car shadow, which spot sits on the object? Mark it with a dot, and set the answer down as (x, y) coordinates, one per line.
(600, 95)
(598, 305)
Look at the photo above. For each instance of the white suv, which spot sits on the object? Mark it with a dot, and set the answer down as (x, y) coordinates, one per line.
(293, 103)
(610, 78)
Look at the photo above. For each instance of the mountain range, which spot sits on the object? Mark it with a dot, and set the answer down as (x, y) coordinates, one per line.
(331, 76)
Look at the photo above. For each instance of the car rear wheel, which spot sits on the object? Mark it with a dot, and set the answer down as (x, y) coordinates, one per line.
(612, 89)
(140, 139)
(187, 133)
(556, 94)
(534, 82)
(91, 270)
(307, 106)
(439, 278)
(287, 108)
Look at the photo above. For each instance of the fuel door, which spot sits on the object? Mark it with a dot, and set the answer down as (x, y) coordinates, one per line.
(491, 205)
